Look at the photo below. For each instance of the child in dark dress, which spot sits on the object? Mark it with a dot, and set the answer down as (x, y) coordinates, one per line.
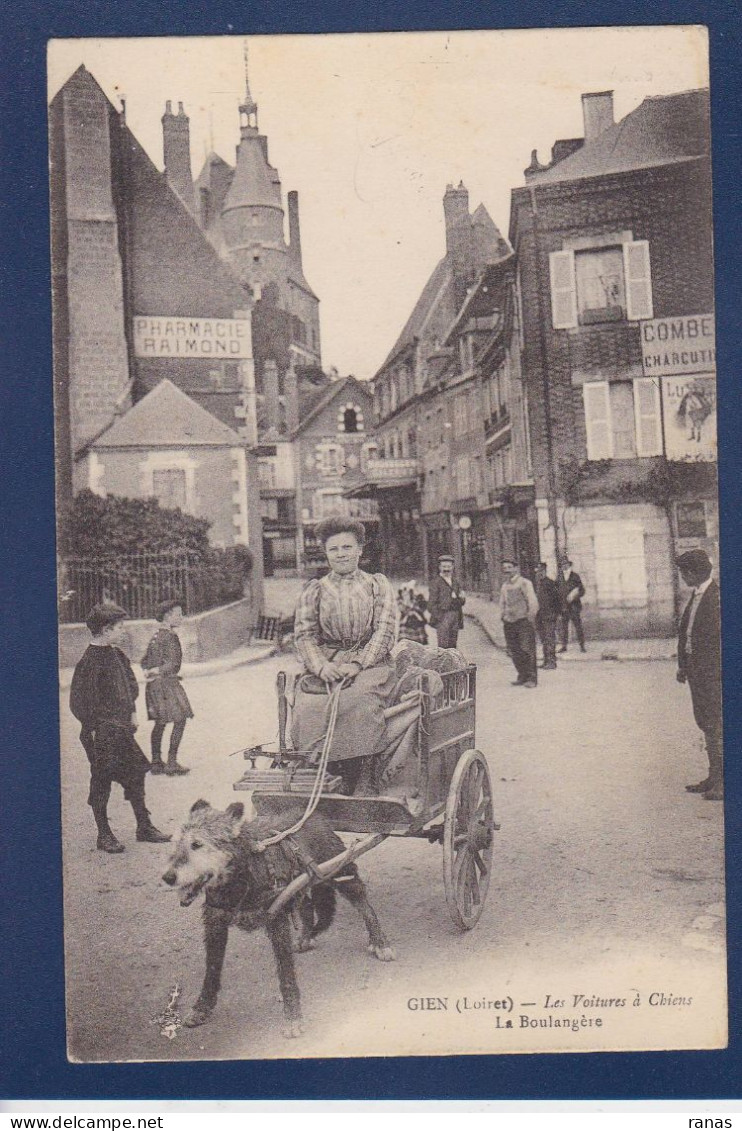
(166, 700)
(103, 697)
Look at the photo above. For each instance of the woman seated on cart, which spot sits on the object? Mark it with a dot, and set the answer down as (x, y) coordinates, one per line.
(345, 629)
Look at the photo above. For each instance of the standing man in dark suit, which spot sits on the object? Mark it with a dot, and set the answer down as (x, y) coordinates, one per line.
(699, 663)
(445, 604)
(549, 608)
(572, 590)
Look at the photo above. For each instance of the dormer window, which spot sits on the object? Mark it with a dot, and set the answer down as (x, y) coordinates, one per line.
(350, 418)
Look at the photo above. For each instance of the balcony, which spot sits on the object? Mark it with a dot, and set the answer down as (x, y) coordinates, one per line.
(385, 475)
(390, 472)
(512, 497)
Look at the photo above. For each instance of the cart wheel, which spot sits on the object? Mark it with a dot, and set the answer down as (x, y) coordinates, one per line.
(467, 839)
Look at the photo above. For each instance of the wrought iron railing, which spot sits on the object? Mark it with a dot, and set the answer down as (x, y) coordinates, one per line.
(140, 582)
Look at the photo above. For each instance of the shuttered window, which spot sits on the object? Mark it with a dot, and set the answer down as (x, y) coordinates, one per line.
(620, 565)
(598, 420)
(601, 292)
(607, 279)
(563, 290)
(647, 411)
(638, 280)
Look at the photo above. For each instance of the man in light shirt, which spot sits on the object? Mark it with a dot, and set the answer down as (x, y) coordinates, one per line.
(518, 609)
(699, 663)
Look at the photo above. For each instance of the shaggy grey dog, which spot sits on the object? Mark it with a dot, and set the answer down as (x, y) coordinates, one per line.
(220, 854)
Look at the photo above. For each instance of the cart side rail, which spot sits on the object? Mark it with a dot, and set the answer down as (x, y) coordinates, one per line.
(447, 729)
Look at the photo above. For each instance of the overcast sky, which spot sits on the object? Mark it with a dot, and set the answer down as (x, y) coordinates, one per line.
(370, 128)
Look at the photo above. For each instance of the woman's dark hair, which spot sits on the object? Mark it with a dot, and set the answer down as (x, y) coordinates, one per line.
(332, 526)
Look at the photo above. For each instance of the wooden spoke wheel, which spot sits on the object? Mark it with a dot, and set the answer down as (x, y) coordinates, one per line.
(468, 834)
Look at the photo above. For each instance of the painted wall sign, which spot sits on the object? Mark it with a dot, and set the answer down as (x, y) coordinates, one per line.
(167, 336)
(689, 407)
(686, 344)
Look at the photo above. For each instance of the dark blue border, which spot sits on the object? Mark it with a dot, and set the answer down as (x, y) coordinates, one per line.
(31, 914)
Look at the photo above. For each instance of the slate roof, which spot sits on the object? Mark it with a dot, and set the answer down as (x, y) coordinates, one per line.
(440, 280)
(253, 181)
(167, 418)
(662, 130)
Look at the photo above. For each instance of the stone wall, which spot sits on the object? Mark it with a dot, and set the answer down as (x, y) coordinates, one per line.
(205, 636)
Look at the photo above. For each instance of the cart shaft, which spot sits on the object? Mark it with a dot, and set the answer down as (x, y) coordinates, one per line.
(325, 871)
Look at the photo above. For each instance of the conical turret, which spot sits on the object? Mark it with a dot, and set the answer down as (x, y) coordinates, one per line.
(252, 215)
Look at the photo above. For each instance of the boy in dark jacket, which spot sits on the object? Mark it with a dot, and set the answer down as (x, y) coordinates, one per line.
(166, 699)
(103, 697)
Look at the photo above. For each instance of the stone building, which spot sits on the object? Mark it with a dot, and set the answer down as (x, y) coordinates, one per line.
(141, 299)
(169, 448)
(240, 210)
(615, 278)
(477, 468)
(415, 521)
(333, 446)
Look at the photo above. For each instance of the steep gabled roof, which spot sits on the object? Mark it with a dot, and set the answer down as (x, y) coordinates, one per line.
(344, 385)
(167, 418)
(489, 244)
(488, 247)
(483, 295)
(440, 280)
(216, 176)
(663, 130)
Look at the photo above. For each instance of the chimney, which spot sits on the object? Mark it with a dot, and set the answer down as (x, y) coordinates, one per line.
(597, 113)
(294, 233)
(176, 147)
(535, 167)
(459, 249)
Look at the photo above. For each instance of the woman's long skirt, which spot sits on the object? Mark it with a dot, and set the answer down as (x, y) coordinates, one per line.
(360, 728)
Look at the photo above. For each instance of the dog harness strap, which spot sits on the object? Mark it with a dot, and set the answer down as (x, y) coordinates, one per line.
(306, 861)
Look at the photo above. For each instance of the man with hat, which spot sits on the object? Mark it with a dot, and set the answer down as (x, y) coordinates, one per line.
(699, 663)
(572, 591)
(445, 604)
(518, 611)
(103, 698)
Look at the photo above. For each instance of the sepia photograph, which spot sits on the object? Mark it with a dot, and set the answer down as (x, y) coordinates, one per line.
(387, 544)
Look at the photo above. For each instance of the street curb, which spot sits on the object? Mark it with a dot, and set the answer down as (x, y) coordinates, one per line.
(212, 667)
(606, 656)
(195, 670)
(487, 632)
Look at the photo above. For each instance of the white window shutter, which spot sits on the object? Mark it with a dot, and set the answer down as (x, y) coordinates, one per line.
(638, 280)
(647, 411)
(563, 289)
(596, 396)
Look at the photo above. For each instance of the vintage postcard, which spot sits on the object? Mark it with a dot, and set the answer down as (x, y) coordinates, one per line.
(385, 407)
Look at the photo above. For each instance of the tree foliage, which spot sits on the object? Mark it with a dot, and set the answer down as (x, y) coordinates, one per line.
(95, 526)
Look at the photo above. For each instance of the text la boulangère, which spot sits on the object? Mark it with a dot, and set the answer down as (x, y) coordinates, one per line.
(192, 337)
